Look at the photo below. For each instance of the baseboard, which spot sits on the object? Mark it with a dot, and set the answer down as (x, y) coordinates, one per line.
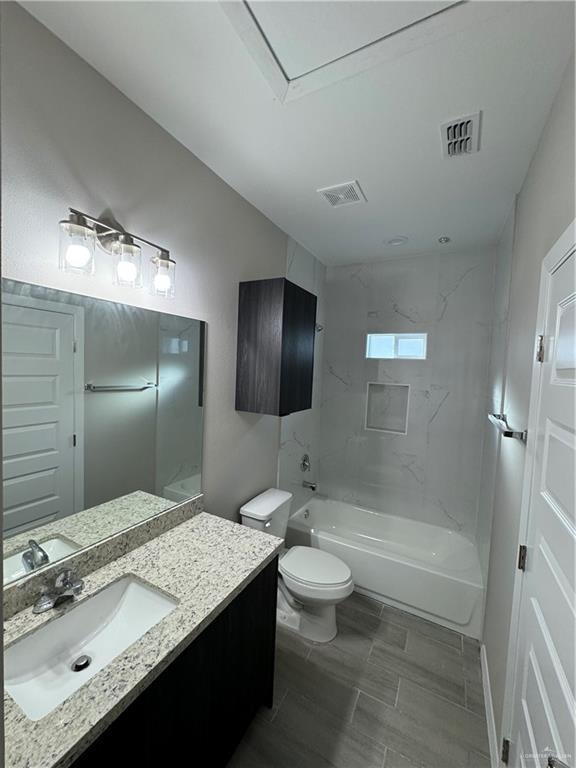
(490, 722)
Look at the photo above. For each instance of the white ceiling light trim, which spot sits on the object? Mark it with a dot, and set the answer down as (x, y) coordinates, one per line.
(443, 22)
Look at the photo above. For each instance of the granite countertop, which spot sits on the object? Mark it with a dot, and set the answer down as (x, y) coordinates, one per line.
(204, 563)
(94, 524)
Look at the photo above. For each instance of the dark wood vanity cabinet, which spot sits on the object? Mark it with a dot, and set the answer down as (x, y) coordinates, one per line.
(196, 712)
(275, 355)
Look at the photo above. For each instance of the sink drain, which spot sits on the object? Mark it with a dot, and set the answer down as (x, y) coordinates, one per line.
(82, 662)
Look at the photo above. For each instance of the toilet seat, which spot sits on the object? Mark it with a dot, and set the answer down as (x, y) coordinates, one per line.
(313, 566)
(312, 574)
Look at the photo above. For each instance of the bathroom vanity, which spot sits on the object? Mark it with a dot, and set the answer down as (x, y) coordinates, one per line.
(190, 685)
(157, 638)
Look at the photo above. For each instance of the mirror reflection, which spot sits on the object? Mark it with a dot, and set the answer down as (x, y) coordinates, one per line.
(102, 419)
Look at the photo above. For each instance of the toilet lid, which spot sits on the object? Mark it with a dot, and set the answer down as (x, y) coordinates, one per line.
(314, 566)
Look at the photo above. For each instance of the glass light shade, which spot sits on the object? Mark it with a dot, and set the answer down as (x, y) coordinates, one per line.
(127, 262)
(77, 245)
(163, 275)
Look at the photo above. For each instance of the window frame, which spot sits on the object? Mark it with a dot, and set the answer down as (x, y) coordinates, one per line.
(421, 336)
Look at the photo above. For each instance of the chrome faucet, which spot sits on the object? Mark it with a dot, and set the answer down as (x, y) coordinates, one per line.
(35, 556)
(310, 486)
(65, 588)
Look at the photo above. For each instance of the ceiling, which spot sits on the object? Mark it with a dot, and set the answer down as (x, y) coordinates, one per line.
(307, 35)
(374, 115)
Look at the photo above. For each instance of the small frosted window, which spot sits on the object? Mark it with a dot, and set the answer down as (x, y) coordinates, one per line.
(380, 345)
(390, 346)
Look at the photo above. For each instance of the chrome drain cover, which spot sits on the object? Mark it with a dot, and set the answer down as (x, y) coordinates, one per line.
(82, 662)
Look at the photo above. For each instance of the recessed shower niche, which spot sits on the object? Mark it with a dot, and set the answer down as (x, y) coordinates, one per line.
(387, 407)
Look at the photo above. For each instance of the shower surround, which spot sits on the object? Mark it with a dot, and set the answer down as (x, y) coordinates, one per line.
(432, 473)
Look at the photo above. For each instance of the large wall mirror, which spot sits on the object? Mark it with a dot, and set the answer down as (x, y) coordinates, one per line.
(102, 420)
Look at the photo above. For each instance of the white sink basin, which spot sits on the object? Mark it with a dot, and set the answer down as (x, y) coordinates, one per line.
(38, 671)
(56, 548)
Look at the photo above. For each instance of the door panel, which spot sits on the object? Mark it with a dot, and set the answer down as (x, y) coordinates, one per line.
(559, 462)
(544, 701)
(38, 415)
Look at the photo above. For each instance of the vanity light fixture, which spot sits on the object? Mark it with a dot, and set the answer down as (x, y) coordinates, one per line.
(79, 235)
(128, 261)
(163, 274)
(77, 244)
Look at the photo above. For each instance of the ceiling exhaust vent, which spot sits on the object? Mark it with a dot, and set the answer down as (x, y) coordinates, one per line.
(461, 136)
(343, 194)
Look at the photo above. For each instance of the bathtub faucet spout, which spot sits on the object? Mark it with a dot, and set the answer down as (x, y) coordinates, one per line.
(311, 486)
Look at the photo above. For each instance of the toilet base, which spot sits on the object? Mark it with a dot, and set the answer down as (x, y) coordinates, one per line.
(318, 623)
(315, 622)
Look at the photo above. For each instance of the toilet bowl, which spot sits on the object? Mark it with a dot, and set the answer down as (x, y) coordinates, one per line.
(310, 582)
(317, 581)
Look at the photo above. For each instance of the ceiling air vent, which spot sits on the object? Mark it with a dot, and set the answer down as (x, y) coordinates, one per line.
(343, 194)
(461, 136)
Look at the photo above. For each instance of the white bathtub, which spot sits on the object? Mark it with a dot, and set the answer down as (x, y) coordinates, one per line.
(425, 569)
(182, 490)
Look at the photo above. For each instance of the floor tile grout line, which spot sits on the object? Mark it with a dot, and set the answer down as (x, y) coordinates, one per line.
(311, 749)
(397, 693)
(383, 744)
(447, 701)
(353, 710)
(412, 619)
(420, 685)
(282, 699)
(389, 666)
(440, 643)
(428, 690)
(415, 617)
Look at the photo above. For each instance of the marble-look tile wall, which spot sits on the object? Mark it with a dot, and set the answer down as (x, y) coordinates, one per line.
(433, 472)
(300, 432)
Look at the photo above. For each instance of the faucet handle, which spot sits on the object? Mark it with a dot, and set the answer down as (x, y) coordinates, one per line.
(67, 579)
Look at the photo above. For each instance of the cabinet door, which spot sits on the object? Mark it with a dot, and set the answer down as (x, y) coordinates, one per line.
(299, 330)
(259, 350)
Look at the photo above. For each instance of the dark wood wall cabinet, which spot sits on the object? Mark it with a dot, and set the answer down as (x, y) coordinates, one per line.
(275, 356)
(196, 712)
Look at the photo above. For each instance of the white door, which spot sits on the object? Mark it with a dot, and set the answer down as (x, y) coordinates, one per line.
(544, 709)
(38, 415)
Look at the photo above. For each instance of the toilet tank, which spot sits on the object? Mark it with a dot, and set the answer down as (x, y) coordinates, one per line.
(268, 512)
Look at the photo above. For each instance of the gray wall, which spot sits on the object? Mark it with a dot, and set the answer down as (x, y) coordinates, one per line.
(72, 139)
(496, 380)
(545, 207)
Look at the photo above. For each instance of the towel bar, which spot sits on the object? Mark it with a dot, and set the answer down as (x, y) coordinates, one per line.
(501, 422)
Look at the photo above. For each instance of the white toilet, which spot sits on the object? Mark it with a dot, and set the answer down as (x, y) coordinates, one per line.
(310, 582)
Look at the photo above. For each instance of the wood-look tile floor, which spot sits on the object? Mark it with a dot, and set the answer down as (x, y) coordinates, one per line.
(390, 691)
